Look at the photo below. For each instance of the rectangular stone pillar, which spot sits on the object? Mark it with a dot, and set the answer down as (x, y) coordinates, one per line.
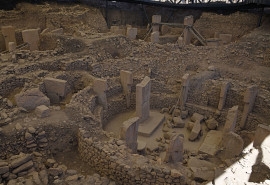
(188, 22)
(155, 37)
(156, 19)
(126, 81)
(225, 38)
(143, 91)
(129, 133)
(231, 120)
(184, 91)
(9, 35)
(262, 136)
(11, 46)
(175, 150)
(56, 89)
(100, 87)
(31, 37)
(132, 33)
(223, 93)
(249, 99)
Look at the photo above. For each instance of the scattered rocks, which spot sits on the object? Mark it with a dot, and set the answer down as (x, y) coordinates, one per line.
(211, 124)
(32, 98)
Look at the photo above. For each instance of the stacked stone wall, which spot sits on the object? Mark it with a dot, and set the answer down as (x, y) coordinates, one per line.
(113, 161)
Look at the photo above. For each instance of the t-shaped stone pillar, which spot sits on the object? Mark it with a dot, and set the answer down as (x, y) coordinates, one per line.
(156, 19)
(100, 87)
(126, 81)
(31, 37)
(188, 22)
(231, 120)
(249, 99)
(9, 35)
(129, 133)
(143, 91)
(175, 149)
(184, 90)
(223, 93)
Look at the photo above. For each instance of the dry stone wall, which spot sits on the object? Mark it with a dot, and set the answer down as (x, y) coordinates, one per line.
(112, 159)
(8, 84)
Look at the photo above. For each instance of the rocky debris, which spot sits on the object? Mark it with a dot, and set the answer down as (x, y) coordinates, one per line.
(184, 114)
(196, 131)
(211, 124)
(30, 99)
(197, 117)
(178, 122)
(42, 111)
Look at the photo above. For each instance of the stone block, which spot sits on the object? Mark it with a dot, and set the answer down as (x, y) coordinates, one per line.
(100, 85)
(178, 122)
(31, 37)
(118, 30)
(132, 33)
(197, 117)
(211, 143)
(211, 124)
(188, 20)
(57, 86)
(262, 136)
(156, 18)
(9, 35)
(225, 38)
(180, 41)
(42, 111)
(232, 144)
(195, 132)
(129, 133)
(155, 37)
(231, 120)
(30, 99)
(213, 42)
(11, 46)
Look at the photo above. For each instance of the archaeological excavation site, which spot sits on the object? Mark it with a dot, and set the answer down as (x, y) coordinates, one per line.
(100, 92)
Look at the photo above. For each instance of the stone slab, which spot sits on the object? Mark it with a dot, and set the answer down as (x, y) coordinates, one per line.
(147, 127)
(57, 86)
(132, 33)
(211, 143)
(31, 37)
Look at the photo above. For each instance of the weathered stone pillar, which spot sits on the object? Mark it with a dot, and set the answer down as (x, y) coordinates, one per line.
(155, 37)
(132, 33)
(9, 35)
(56, 89)
(184, 90)
(249, 99)
(100, 87)
(262, 136)
(156, 19)
(223, 93)
(129, 133)
(11, 46)
(143, 91)
(175, 150)
(231, 120)
(31, 37)
(126, 81)
(188, 22)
